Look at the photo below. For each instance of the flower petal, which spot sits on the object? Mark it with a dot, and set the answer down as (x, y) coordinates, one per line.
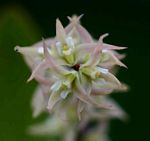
(95, 54)
(107, 76)
(51, 61)
(38, 102)
(38, 70)
(60, 32)
(81, 94)
(102, 87)
(86, 83)
(31, 55)
(51, 126)
(101, 91)
(112, 47)
(84, 34)
(48, 62)
(80, 108)
(54, 98)
(112, 59)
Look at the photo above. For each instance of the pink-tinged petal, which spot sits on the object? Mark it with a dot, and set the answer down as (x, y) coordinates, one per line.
(83, 50)
(48, 41)
(54, 98)
(107, 46)
(119, 56)
(75, 19)
(81, 95)
(84, 34)
(101, 91)
(37, 71)
(75, 36)
(26, 50)
(45, 92)
(31, 55)
(86, 83)
(117, 111)
(53, 65)
(99, 47)
(103, 87)
(111, 78)
(123, 88)
(47, 63)
(38, 102)
(108, 62)
(66, 108)
(85, 99)
(95, 54)
(80, 108)
(60, 31)
(86, 48)
(100, 43)
(43, 80)
(34, 52)
(112, 47)
(73, 22)
(113, 59)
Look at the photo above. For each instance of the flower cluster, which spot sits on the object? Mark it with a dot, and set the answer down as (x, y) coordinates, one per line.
(75, 74)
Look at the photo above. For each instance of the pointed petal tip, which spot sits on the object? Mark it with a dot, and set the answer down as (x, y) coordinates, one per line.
(60, 31)
(124, 47)
(75, 18)
(29, 79)
(81, 16)
(58, 22)
(121, 48)
(106, 107)
(45, 48)
(103, 36)
(49, 109)
(69, 18)
(16, 48)
(123, 65)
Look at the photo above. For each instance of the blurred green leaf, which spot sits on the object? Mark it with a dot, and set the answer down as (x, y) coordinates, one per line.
(16, 28)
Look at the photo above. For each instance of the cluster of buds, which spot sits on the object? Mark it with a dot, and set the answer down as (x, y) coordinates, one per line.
(75, 75)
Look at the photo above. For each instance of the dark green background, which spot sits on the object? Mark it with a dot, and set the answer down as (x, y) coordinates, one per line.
(25, 22)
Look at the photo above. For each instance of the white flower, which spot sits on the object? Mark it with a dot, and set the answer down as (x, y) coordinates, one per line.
(72, 67)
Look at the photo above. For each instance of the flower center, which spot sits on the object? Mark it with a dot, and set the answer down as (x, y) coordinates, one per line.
(76, 67)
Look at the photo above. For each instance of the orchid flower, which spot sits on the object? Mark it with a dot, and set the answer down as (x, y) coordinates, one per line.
(72, 68)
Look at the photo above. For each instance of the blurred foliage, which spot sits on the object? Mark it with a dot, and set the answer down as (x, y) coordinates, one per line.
(16, 28)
